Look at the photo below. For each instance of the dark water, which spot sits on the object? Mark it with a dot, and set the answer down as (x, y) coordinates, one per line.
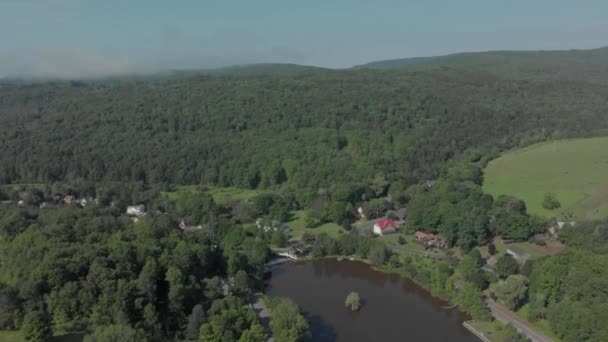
(394, 308)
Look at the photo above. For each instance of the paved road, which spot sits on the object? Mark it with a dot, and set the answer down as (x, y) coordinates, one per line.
(263, 313)
(507, 316)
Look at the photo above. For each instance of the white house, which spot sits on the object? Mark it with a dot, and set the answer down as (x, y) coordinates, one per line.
(136, 210)
(385, 227)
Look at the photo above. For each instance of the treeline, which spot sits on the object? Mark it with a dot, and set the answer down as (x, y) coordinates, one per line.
(307, 131)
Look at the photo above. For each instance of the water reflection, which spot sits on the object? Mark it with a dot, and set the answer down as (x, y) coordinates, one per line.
(394, 308)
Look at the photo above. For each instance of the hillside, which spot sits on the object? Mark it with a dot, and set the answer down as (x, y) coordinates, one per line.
(581, 65)
(574, 170)
(307, 129)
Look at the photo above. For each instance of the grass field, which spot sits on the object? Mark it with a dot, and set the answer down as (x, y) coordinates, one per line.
(298, 228)
(575, 170)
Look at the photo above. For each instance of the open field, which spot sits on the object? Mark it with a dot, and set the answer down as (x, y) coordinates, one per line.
(574, 170)
(298, 228)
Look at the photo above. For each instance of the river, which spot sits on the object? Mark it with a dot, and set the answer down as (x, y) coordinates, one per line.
(394, 308)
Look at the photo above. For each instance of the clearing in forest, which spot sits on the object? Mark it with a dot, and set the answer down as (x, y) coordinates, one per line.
(576, 171)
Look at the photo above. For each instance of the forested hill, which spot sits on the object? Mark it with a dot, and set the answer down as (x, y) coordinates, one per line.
(308, 129)
(582, 65)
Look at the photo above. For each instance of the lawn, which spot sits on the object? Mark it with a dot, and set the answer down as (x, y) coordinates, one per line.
(574, 170)
(411, 243)
(298, 228)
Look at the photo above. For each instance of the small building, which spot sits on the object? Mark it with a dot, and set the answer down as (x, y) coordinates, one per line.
(68, 199)
(517, 253)
(385, 227)
(424, 236)
(136, 210)
(431, 240)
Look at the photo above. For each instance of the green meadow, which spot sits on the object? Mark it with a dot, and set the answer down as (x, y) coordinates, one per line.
(576, 171)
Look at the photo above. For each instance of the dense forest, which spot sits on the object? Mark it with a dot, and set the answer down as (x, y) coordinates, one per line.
(323, 141)
(306, 130)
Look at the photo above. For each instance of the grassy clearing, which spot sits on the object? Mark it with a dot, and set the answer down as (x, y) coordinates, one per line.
(411, 243)
(575, 170)
(298, 227)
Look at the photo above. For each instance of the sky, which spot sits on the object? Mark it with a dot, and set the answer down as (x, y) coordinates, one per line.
(96, 38)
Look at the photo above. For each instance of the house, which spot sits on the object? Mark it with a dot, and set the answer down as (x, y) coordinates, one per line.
(430, 240)
(136, 210)
(424, 236)
(517, 253)
(554, 230)
(385, 227)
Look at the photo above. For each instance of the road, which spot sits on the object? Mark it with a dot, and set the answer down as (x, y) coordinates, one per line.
(507, 316)
(263, 313)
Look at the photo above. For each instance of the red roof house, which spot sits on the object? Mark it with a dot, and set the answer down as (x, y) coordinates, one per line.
(385, 226)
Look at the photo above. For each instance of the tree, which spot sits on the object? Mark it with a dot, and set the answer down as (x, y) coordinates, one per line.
(378, 254)
(550, 201)
(512, 291)
(506, 266)
(195, 320)
(36, 326)
(287, 324)
(254, 334)
(469, 299)
(401, 240)
(241, 281)
(492, 249)
(10, 307)
(278, 239)
(116, 333)
(353, 302)
(310, 220)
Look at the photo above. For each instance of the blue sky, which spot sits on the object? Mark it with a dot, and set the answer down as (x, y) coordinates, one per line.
(88, 38)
